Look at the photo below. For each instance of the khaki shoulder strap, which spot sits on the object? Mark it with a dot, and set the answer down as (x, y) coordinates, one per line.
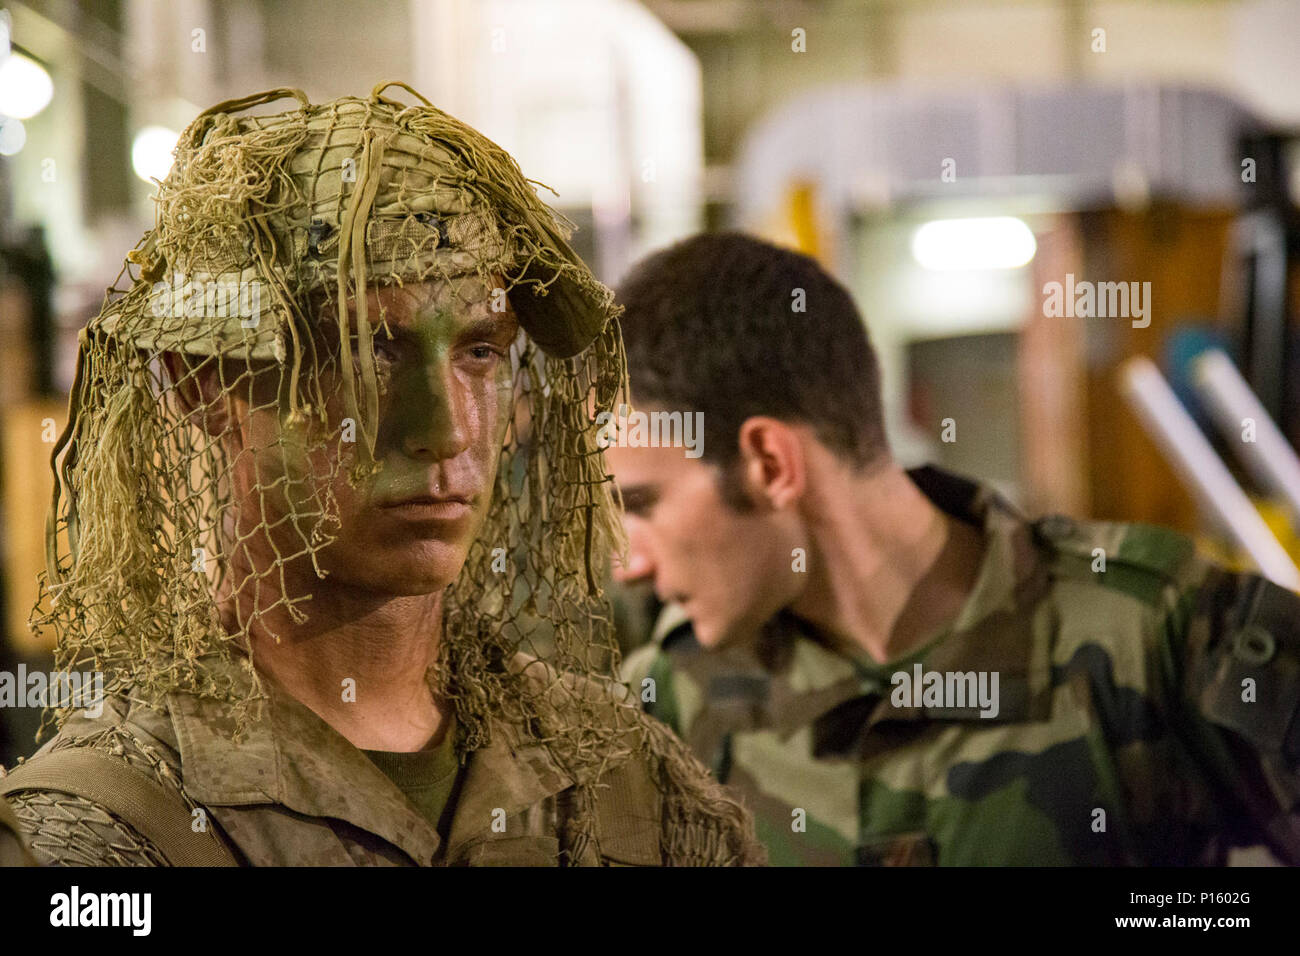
(128, 794)
(629, 811)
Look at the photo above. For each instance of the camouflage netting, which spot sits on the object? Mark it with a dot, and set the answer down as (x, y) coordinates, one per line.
(270, 230)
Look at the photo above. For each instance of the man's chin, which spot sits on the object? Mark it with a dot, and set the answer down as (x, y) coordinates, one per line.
(710, 634)
(716, 634)
(404, 587)
(415, 588)
(404, 575)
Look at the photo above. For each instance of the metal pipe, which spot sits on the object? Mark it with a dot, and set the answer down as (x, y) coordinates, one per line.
(1231, 403)
(1202, 471)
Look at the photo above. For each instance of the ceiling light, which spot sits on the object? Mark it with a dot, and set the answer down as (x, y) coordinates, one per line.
(151, 152)
(25, 87)
(999, 242)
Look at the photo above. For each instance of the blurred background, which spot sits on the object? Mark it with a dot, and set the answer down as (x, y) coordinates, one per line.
(946, 161)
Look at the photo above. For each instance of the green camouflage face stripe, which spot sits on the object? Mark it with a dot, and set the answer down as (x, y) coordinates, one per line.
(1121, 737)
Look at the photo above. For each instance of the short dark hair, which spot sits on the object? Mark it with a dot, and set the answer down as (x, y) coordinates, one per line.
(711, 326)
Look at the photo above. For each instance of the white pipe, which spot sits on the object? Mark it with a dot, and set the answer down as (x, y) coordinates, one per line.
(1230, 401)
(1203, 471)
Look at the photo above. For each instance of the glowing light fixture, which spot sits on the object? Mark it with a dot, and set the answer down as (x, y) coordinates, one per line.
(999, 242)
(25, 87)
(12, 136)
(151, 152)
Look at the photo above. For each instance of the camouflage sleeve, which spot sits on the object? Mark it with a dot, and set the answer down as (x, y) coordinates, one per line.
(636, 667)
(1237, 639)
(648, 672)
(63, 830)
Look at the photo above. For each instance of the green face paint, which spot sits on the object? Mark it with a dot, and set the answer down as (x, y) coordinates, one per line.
(442, 357)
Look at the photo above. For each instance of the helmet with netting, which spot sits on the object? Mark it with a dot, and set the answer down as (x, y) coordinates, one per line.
(271, 226)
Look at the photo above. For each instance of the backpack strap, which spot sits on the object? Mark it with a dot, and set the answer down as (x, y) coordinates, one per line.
(131, 796)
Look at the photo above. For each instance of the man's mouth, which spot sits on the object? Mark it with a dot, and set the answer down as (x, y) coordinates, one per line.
(429, 508)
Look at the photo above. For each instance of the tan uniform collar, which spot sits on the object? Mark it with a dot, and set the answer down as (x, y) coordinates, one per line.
(291, 757)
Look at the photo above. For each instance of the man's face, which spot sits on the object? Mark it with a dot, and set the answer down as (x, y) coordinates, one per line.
(445, 394)
(730, 570)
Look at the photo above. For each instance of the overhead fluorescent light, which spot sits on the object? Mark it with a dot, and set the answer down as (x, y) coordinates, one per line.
(997, 242)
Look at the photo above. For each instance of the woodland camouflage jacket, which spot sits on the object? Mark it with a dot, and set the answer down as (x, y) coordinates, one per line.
(1147, 711)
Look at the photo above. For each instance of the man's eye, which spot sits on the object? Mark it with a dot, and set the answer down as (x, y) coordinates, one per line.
(639, 502)
(385, 351)
(484, 352)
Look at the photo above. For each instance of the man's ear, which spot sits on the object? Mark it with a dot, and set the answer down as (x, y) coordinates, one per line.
(198, 391)
(772, 462)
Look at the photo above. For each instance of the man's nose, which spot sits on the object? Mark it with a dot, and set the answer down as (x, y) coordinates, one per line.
(639, 565)
(431, 415)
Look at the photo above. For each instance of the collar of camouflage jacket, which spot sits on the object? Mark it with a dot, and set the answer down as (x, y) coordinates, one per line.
(291, 757)
(805, 679)
(991, 634)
